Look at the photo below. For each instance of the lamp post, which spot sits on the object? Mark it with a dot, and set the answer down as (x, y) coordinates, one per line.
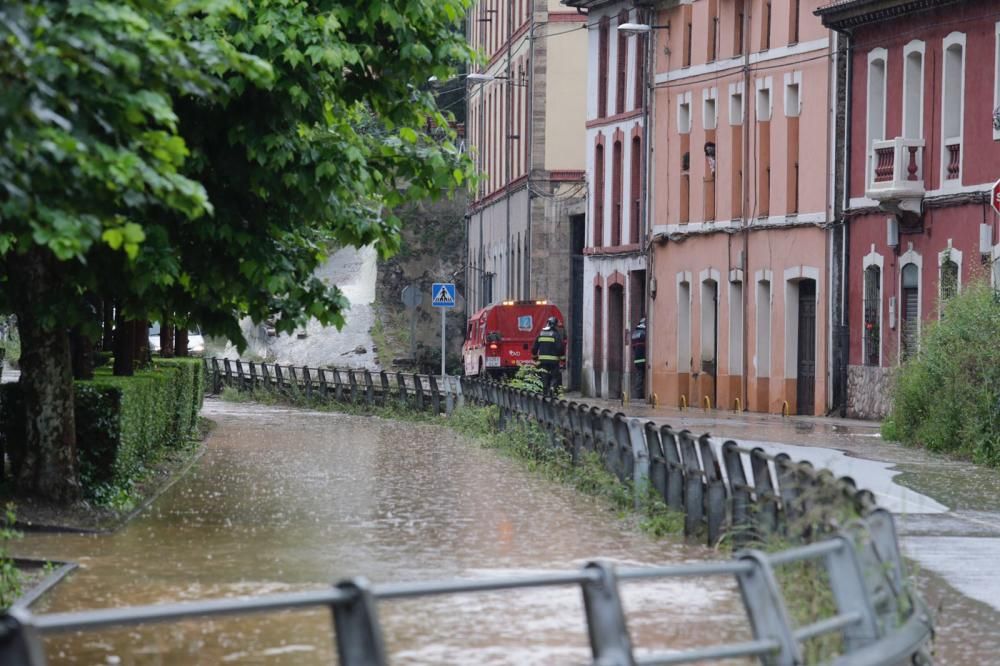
(646, 29)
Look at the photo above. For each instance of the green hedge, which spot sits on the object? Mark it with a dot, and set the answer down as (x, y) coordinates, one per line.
(122, 423)
(947, 398)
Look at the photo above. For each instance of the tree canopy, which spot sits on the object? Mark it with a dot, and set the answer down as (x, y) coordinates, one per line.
(197, 159)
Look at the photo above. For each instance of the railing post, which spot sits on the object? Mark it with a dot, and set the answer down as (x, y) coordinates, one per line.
(851, 595)
(715, 491)
(766, 610)
(610, 644)
(739, 493)
(384, 381)
(673, 495)
(435, 394)
(240, 382)
(359, 636)
(321, 375)
(253, 376)
(216, 377)
(640, 460)
(419, 389)
(307, 380)
(694, 485)
(353, 381)
(20, 643)
(765, 518)
(369, 388)
(403, 395)
(229, 371)
(266, 374)
(338, 386)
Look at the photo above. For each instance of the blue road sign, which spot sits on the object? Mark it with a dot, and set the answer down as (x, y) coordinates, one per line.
(443, 295)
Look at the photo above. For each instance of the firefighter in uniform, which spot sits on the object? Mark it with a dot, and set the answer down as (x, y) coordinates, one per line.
(548, 351)
(638, 344)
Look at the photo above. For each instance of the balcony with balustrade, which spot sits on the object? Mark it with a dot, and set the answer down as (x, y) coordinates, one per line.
(896, 177)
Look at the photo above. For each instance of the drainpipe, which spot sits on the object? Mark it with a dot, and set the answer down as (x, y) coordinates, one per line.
(844, 339)
(509, 103)
(529, 130)
(745, 157)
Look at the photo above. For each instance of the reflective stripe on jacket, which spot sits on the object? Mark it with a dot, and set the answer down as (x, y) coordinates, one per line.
(548, 346)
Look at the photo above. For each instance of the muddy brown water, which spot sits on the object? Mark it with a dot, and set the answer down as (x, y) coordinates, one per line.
(288, 500)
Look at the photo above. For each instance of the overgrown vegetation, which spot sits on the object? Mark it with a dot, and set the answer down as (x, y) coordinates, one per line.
(531, 378)
(10, 576)
(947, 397)
(530, 444)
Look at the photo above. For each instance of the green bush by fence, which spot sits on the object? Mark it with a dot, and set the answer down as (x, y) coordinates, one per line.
(947, 398)
(122, 423)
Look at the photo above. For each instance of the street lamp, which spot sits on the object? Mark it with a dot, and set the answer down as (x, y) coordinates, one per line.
(634, 28)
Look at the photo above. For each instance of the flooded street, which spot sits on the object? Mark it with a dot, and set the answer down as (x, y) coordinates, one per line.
(288, 500)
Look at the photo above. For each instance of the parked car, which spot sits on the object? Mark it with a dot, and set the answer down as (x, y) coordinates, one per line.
(196, 343)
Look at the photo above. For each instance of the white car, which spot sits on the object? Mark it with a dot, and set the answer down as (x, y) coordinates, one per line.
(196, 343)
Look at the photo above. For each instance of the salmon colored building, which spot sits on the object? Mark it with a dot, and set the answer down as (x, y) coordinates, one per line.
(923, 151)
(741, 206)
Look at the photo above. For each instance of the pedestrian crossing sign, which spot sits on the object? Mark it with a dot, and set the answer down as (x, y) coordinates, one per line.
(443, 295)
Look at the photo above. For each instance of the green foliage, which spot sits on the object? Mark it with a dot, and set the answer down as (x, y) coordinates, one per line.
(10, 576)
(10, 341)
(123, 424)
(947, 398)
(528, 443)
(530, 378)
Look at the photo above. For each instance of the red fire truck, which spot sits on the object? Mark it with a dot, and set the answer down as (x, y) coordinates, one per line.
(499, 337)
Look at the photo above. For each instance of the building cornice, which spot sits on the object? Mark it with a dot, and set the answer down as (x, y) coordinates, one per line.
(847, 14)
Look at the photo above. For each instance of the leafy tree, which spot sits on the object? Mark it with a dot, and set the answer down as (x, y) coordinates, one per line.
(195, 161)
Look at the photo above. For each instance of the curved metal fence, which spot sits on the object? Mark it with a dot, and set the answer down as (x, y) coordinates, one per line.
(722, 489)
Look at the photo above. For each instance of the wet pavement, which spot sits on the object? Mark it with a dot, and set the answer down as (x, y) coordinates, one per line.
(947, 511)
(288, 500)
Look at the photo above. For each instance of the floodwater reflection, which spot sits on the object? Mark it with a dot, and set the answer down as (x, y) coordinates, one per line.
(287, 500)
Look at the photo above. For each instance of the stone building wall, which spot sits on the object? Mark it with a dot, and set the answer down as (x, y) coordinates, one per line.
(868, 392)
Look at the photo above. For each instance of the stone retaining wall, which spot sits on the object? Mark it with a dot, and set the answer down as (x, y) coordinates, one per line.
(868, 392)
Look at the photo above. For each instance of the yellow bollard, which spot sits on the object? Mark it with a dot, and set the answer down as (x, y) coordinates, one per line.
(738, 406)
(708, 403)
(784, 408)
(684, 402)
(624, 398)
(655, 400)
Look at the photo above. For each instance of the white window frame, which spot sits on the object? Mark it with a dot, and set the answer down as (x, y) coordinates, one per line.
(737, 110)
(793, 79)
(956, 256)
(873, 134)
(764, 85)
(710, 121)
(684, 363)
(915, 46)
(949, 41)
(873, 258)
(909, 257)
(684, 109)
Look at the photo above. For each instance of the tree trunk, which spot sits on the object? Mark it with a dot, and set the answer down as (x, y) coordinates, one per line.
(82, 354)
(124, 346)
(141, 341)
(108, 338)
(181, 341)
(166, 339)
(47, 467)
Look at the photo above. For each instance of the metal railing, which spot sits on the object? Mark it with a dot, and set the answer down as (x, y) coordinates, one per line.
(357, 386)
(878, 619)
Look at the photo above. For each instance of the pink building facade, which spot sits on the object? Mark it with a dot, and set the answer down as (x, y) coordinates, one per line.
(924, 150)
(741, 202)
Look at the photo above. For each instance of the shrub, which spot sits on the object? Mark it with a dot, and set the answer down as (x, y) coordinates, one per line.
(122, 423)
(947, 398)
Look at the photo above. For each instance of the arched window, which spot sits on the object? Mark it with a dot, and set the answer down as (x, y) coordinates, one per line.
(910, 311)
(953, 88)
(873, 315)
(949, 279)
(602, 67)
(913, 91)
(599, 184)
(616, 194)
